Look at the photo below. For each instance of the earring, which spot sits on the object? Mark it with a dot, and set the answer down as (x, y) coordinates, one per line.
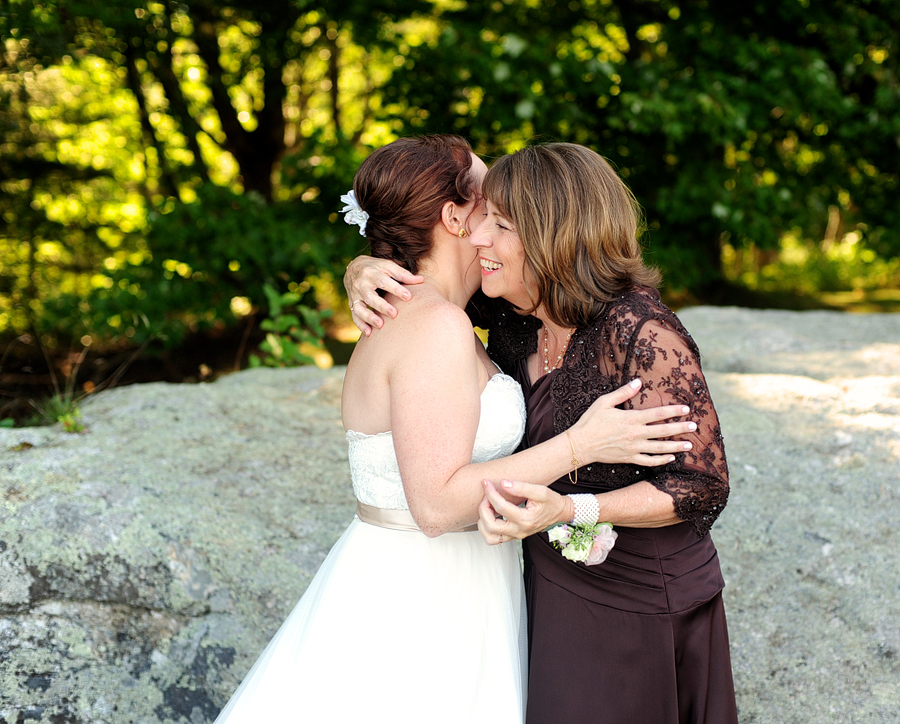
(463, 233)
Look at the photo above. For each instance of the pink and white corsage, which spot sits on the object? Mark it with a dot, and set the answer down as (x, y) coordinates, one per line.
(588, 543)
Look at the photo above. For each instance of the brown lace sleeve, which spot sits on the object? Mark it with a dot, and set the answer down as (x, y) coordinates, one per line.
(638, 336)
(659, 350)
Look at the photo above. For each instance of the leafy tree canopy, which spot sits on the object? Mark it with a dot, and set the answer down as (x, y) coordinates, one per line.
(736, 121)
(161, 162)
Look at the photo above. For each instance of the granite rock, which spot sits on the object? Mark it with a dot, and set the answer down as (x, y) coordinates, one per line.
(810, 407)
(145, 562)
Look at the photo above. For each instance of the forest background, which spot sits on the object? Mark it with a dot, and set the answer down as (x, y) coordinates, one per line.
(170, 171)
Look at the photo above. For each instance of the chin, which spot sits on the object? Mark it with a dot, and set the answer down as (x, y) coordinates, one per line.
(489, 292)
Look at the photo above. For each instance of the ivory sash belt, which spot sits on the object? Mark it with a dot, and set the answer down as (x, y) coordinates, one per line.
(394, 519)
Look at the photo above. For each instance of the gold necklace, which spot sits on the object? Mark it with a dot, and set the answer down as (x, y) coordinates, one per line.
(547, 367)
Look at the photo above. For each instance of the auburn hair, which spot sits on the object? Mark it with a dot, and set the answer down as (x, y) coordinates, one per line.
(403, 187)
(579, 225)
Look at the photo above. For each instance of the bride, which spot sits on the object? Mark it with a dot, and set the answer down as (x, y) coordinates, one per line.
(412, 617)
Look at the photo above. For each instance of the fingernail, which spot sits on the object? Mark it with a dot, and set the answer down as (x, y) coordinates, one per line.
(688, 446)
(692, 426)
(685, 410)
(506, 483)
(671, 458)
(484, 483)
(635, 384)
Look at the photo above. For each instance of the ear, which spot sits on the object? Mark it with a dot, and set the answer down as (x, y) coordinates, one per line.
(452, 218)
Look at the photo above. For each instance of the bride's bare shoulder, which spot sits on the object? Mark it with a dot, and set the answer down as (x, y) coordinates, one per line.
(429, 314)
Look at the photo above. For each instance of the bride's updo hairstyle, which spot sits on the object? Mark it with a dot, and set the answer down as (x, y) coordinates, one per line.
(404, 185)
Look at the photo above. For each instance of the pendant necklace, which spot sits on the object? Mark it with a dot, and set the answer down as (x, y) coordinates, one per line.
(547, 367)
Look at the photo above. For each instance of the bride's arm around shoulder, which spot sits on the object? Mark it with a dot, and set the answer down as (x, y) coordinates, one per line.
(435, 408)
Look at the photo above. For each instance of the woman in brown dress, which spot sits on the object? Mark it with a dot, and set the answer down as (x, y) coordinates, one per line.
(642, 636)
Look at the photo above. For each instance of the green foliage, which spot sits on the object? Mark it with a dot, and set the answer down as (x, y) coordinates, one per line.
(200, 257)
(66, 212)
(294, 331)
(64, 406)
(730, 121)
(160, 159)
(61, 408)
(161, 162)
(808, 268)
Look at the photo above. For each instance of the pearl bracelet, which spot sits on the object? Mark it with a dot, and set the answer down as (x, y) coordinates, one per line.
(587, 509)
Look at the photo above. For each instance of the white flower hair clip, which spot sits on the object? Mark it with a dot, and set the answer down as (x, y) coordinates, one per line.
(353, 213)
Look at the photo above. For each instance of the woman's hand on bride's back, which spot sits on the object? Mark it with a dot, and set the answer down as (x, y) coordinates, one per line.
(365, 275)
(606, 434)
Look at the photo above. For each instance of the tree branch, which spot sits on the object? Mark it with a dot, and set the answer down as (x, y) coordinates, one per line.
(177, 102)
(334, 77)
(150, 139)
(237, 140)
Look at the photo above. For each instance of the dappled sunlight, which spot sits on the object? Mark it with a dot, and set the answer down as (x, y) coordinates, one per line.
(778, 392)
(842, 271)
(849, 420)
(878, 359)
(161, 160)
(874, 392)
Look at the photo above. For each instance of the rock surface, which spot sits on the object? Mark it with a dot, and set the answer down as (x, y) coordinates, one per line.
(145, 562)
(810, 407)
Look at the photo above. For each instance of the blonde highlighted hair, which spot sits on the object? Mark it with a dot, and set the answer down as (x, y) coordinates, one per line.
(579, 224)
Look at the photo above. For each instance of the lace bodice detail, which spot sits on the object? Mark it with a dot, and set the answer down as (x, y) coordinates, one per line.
(373, 463)
(636, 336)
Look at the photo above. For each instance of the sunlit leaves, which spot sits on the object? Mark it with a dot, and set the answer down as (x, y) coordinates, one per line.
(728, 124)
(134, 106)
(199, 132)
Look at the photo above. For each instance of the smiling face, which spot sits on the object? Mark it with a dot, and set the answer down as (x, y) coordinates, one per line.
(502, 259)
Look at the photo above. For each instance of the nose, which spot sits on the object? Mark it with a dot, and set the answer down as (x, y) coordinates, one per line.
(480, 238)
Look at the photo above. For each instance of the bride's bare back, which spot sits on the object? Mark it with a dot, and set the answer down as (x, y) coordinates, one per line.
(429, 354)
(422, 378)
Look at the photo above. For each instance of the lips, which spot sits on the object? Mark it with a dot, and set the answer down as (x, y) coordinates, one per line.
(489, 265)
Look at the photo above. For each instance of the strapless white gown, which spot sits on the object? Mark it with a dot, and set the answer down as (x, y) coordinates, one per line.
(398, 627)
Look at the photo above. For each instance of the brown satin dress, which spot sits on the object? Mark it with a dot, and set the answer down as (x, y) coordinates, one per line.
(642, 637)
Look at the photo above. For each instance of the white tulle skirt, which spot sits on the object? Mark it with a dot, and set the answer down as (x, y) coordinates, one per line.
(397, 627)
